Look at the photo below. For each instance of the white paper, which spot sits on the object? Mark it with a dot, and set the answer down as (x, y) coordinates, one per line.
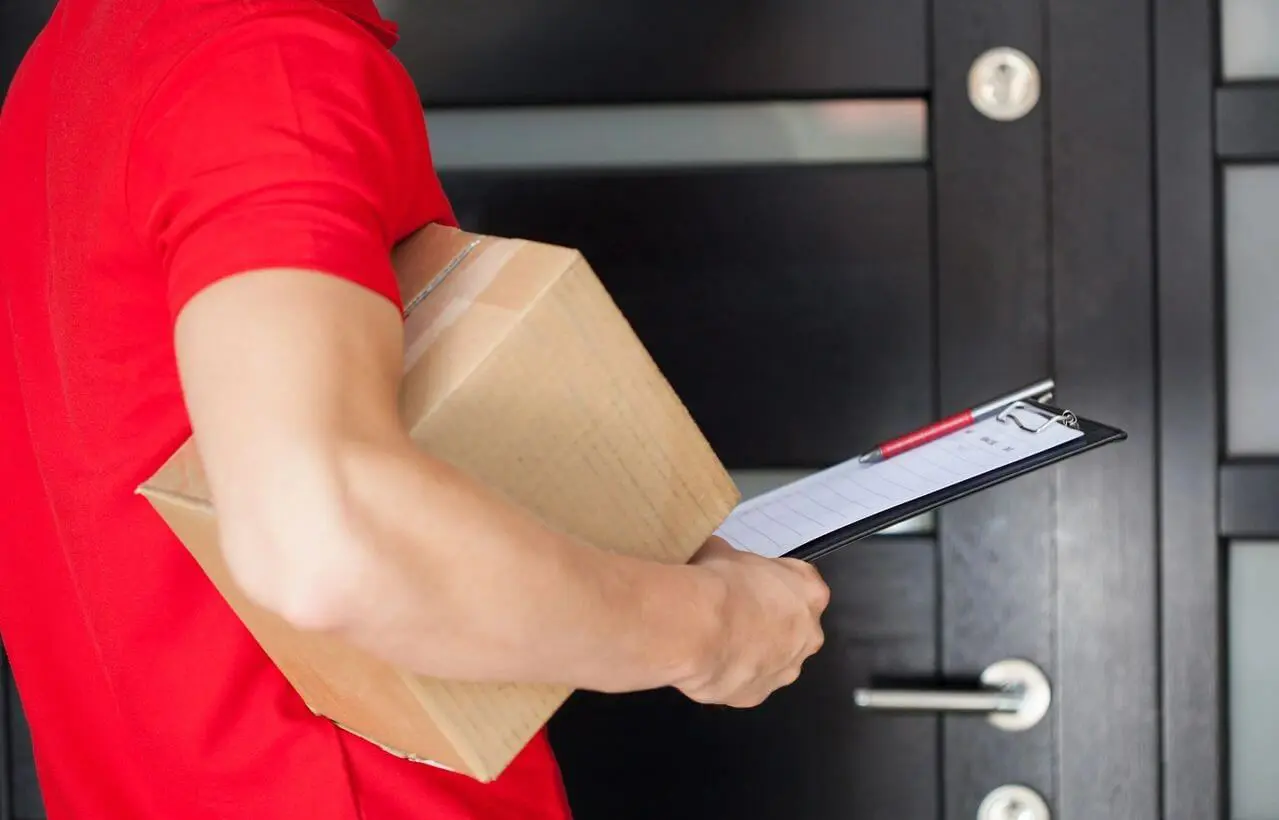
(794, 514)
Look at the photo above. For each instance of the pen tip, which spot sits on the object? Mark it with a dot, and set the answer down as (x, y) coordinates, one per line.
(870, 457)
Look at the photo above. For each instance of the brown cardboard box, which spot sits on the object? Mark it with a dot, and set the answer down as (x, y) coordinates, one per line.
(520, 370)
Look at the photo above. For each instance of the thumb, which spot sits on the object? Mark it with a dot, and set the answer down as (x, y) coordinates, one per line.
(715, 547)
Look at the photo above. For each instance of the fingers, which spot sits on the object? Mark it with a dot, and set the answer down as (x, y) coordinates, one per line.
(816, 589)
(754, 692)
(748, 701)
(742, 698)
(784, 623)
(808, 649)
(758, 695)
(819, 596)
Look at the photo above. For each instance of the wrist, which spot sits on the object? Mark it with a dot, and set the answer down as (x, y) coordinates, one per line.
(696, 635)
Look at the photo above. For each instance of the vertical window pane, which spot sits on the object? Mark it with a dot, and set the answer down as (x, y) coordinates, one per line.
(1252, 309)
(1250, 39)
(1253, 612)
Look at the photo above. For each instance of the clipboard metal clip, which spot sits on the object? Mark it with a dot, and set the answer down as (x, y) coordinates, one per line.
(1047, 416)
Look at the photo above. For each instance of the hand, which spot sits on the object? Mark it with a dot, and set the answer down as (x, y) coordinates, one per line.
(770, 623)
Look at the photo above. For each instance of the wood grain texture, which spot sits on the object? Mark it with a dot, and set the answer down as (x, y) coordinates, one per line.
(997, 548)
(1104, 357)
(1191, 582)
(576, 51)
(788, 307)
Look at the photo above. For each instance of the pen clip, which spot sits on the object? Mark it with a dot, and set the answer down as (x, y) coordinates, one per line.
(1049, 417)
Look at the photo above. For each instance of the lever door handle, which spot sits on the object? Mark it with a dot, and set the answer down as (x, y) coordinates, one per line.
(1014, 695)
(1003, 701)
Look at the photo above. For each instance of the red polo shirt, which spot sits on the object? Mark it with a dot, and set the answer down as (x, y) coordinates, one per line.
(148, 148)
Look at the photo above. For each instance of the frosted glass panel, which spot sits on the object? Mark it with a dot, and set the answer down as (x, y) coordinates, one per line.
(701, 134)
(753, 482)
(1254, 680)
(1252, 309)
(1250, 39)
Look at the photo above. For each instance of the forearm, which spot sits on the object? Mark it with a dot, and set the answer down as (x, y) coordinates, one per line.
(437, 574)
(331, 518)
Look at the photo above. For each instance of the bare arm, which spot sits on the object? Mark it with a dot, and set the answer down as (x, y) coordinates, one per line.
(331, 517)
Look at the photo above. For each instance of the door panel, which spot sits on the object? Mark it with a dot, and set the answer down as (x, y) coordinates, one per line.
(996, 549)
(577, 51)
(808, 753)
(1104, 351)
(760, 293)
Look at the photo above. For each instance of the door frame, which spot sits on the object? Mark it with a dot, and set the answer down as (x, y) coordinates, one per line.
(1190, 387)
(1208, 497)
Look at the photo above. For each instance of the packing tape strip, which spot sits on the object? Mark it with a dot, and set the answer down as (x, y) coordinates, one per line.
(425, 327)
(441, 276)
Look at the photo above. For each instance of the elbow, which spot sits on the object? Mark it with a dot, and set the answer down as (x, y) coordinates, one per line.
(307, 579)
(302, 540)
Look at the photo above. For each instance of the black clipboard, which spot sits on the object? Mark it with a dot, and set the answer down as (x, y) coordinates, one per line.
(1095, 434)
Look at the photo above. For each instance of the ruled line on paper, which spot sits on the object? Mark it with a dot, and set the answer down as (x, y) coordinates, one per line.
(783, 519)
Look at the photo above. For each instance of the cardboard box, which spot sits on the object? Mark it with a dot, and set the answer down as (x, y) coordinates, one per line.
(520, 370)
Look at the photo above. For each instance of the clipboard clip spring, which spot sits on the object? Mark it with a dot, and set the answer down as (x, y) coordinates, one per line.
(1047, 416)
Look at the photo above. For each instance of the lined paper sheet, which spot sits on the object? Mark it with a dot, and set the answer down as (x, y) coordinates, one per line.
(794, 514)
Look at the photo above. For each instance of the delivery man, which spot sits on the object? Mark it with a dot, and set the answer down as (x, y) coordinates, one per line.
(197, 203)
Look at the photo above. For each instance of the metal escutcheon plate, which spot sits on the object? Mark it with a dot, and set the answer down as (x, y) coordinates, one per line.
(1003, 84)
(1036, 693)
(1013, 802)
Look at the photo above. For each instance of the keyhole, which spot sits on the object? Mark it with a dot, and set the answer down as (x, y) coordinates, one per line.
(1003, 84)
(1016, 810)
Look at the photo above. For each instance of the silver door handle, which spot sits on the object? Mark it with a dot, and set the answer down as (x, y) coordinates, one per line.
(924, 700)
(1014, 696)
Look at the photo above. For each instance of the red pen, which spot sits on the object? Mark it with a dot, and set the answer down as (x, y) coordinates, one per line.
(958, 421)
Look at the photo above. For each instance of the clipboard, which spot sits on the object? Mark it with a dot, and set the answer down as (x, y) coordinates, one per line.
(1021, 423)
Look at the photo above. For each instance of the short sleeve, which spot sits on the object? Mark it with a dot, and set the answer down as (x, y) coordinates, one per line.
(285, 141)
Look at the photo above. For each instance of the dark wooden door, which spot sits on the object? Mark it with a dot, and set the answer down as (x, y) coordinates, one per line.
(823, 242)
